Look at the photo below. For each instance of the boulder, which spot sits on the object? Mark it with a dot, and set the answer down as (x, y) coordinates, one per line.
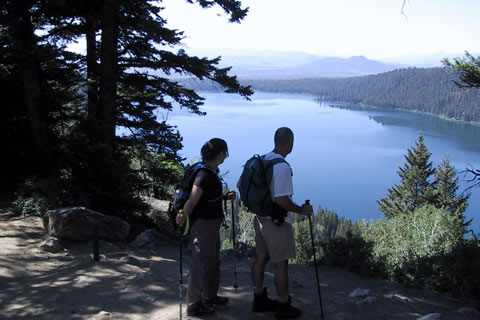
(359, 293)
(78, 223)
(51, 245)
(158, 212)
(148, 238)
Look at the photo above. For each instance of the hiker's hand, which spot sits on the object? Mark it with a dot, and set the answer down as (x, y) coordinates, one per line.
(231, 195)
(306, 209)
(181, 219)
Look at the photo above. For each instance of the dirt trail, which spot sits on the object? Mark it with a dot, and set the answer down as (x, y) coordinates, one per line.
(143, 284)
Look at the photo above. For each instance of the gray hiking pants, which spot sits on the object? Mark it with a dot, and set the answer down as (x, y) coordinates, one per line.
(204, 279)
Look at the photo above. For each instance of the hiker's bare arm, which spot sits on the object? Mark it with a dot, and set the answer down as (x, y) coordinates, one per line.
(286, 203)
(192, 200)
(190, 204)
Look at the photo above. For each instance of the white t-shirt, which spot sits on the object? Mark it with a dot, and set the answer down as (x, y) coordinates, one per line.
(281, 184)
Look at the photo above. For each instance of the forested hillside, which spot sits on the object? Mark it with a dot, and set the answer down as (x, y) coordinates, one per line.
(415, 89)
(429, 90)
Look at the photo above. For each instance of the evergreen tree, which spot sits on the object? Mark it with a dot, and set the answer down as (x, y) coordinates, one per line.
(125, 79)
(303, 243)
(40, 81)
(127, 70)
(446, 187)
(415, 188)
(468, 69)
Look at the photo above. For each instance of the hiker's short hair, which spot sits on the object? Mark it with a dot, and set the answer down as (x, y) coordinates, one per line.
(212, 148)
(283, 136)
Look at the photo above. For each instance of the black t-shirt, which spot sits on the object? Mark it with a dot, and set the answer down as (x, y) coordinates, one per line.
(210, 204)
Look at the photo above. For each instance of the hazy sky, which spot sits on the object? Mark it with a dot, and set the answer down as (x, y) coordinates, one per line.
(343, 28)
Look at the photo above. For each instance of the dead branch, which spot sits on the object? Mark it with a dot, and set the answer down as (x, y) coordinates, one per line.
(403, 9)
(473, 177)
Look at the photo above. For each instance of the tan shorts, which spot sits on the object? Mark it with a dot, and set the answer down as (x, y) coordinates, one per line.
(276, 241)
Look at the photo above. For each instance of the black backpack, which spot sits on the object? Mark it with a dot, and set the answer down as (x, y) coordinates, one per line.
(183, 189)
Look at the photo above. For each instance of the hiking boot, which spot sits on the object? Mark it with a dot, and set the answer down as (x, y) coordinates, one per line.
(218, 301)
(286, 311)
(198, 309)
(262, 303)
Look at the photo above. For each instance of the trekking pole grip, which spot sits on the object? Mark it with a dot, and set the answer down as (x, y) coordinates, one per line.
(187, 224)
(308, 202)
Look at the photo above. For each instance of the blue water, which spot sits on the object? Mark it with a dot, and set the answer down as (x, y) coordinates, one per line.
(344, 157)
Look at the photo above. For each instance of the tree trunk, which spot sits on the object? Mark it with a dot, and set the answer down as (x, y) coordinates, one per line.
(108, 72)
(21, 29)
(92, 66)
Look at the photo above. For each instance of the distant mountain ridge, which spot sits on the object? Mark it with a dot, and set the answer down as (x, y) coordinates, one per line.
(269, 64)
(310, 67)
(353, 66)
(248, 64)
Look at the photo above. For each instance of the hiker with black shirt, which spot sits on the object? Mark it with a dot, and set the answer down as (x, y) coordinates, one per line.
(204, 210)
(275, 241)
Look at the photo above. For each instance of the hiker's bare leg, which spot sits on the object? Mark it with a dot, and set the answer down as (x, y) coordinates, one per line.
(258, 270)
(281, 278)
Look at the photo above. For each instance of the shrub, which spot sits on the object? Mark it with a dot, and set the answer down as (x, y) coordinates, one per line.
(427, 232)
(226, 244)
(422, 249)
(352, 253)
(36, 196)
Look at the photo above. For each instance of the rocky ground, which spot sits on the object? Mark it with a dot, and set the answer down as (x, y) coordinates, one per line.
(42, 278)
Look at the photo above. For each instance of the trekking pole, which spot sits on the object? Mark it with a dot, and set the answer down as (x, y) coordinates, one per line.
(224, 223)
(180, 259)
(180, 275)
(180, 282)
(96, 244)
(235, 285)
(315, 263)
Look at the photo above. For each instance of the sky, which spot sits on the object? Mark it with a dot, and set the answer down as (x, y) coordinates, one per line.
(376, 29)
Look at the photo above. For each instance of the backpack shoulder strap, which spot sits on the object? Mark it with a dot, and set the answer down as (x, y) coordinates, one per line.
(202, 166)
(272, 162)
(190, 174)
(278, 160)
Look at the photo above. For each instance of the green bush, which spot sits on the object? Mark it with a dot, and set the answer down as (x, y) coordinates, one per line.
(37, 196)
(352, 253)
(457, 272)
(425, 249)
(227, 244)
(398, 241)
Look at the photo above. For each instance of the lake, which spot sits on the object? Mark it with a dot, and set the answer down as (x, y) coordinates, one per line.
(344, 157)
